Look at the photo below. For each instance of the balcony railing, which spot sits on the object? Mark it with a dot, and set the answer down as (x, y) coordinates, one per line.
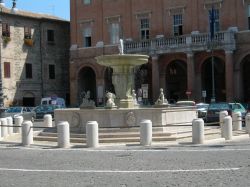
(193, 42)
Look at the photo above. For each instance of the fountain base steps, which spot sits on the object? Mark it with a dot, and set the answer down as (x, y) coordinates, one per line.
(124, 135)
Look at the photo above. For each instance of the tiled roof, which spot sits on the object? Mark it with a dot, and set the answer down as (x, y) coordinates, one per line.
(5, 10)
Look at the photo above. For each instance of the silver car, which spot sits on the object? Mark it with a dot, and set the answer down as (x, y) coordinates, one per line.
(26, 112)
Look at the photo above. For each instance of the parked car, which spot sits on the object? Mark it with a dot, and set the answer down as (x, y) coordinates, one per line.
(53, 101)
(185, 103)
(202, 110)
(26, 112)
(214, 109)
(41, 110)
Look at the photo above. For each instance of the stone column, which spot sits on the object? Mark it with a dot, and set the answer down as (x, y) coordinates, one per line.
(190, 74)
(155, 77)
(229, 76)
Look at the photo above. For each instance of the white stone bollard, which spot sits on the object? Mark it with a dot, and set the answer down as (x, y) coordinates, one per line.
(247, 122)
(10, 124)
(18, 122)
(47, 120)
(222, 115)
(92, 137)
(228, 128)
(146, 132)
(237, 121)
(198, 131)
(63, 134)
(4, 128)
(27, 133)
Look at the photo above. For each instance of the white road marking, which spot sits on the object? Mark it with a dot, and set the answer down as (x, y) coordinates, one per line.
(120, 171)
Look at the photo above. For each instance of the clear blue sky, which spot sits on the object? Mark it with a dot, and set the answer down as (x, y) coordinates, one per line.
(58, 8)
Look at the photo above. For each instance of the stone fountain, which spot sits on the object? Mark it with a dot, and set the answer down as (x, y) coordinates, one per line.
(126, 114)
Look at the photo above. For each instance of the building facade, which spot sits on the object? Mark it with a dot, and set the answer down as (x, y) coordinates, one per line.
(186, 58)
(34, 57)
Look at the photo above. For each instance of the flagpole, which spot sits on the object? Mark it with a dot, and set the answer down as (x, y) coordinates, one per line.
(212, 29)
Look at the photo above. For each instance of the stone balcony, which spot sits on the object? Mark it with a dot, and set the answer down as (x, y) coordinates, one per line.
(185, 43)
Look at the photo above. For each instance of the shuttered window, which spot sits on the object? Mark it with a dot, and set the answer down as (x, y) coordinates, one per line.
(5, 30)
(27, 32)
(28, 71)
(6, 70)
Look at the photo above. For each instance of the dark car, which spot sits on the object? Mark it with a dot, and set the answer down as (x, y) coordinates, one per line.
(214, 110)
(247, 106)
(42, 110)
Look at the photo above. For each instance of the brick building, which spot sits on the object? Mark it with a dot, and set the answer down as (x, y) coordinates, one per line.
(34, 57)
(176, 35)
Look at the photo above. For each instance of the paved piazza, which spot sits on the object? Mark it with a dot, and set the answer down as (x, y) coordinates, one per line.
(183, 165)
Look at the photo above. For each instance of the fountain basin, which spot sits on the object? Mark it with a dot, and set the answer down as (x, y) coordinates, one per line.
(122, 60)
(125, 118)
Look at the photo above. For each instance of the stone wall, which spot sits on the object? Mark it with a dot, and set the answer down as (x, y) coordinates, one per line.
(40, 54)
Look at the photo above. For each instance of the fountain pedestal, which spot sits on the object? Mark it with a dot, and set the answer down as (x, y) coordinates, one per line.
(123, 75)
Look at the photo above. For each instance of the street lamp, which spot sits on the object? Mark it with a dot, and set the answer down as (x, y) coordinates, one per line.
(212, 28)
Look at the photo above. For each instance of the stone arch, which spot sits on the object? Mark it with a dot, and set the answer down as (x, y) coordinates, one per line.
(206, 57)
(86, 81)
(90, 65)
(176, 80)
(245, 78)
(28, 99)
(219, 78)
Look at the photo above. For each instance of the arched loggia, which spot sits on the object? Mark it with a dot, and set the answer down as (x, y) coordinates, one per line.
(86, 82)
(219, 79)
(176, 80)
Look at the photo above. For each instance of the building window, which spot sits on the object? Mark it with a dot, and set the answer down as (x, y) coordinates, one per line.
(87, 37)
(50, 35)
(28, 71)
(86, 2)
(144, 28)
(114, 33)
(52, 74)
(27, 33)
(177, 25)
(5, 30)
(6, 70)
(216, 19)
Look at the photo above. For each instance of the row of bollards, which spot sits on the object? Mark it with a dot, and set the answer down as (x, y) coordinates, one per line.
(227, 123)
(92, 137)
(21, 126)
(6, 127)
(63, 132)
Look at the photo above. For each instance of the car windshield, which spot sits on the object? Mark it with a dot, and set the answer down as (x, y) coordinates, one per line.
(202, 106)
(219, 106)
(14, 110)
